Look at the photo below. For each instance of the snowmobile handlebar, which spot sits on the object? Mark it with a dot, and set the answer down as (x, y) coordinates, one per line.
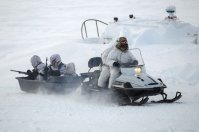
(129, 66)
(20, 72)
(134, 64)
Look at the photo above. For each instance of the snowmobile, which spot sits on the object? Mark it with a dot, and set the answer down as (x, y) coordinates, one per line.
(53, 84)
(132, 87)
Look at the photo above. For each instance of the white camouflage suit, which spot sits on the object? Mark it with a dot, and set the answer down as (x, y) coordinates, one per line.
(117, 56)
(65, 69)
(105, 70)
(38, 66)
(109, 56)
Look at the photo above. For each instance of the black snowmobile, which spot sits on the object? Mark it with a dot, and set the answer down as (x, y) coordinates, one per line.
(132, 87)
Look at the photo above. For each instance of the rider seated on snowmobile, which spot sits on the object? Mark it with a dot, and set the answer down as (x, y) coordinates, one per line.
(38, 71)
(57, 68)
(112, 59)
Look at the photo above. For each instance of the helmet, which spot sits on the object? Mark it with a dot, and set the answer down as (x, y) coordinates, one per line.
(55, 58)
(35, 60)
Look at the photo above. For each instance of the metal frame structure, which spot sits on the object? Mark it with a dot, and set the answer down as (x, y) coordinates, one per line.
(84, 27)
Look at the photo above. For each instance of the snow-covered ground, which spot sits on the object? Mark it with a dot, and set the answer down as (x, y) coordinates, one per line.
(45, 27)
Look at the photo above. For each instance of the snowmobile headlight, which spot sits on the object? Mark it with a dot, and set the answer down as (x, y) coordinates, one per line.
(138, 71)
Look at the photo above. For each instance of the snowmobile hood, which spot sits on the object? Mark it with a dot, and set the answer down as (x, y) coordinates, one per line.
(143, 80)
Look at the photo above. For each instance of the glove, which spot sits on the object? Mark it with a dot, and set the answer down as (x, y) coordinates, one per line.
(35, 72)
(29, 72)
(30, 75)
(116, 64)
(135, 62)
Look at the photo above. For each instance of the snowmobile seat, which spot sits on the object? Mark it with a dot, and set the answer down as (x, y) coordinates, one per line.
(94, 62)
(93, 76)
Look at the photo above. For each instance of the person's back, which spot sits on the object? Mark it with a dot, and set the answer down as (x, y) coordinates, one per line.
(105, 71)
(38, 65)
(106, 52)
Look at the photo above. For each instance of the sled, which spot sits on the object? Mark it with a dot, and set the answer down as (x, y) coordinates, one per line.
(60, 84)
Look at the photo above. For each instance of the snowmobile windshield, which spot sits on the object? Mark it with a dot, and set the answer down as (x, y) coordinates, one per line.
(133, 59)
(133, 66)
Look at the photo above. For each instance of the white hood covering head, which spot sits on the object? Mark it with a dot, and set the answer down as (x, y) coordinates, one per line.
(56, 58)
(35, 60)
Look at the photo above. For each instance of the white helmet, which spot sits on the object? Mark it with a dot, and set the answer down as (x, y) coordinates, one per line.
(55, 58)
(35, 60)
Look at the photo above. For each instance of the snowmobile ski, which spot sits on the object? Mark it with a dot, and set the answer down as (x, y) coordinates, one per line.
(134, 103)
(165, 100)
